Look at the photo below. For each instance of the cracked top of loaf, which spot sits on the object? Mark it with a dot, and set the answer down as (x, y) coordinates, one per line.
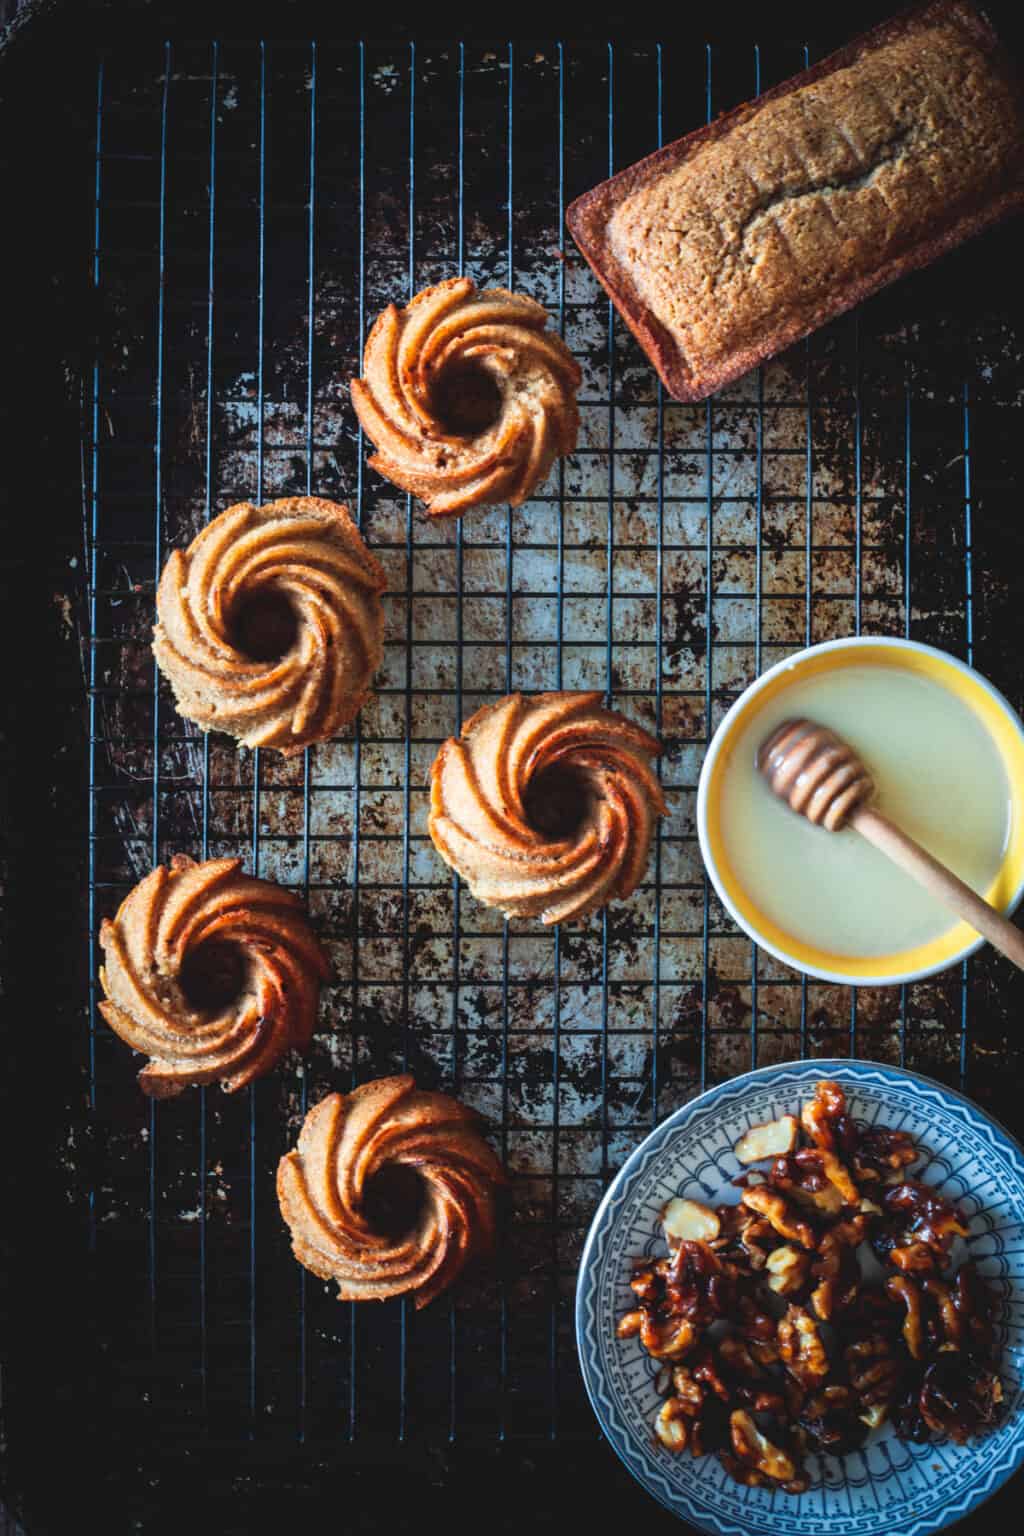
(732, 243)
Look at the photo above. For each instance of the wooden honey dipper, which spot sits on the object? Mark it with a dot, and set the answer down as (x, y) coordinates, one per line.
(819, 776)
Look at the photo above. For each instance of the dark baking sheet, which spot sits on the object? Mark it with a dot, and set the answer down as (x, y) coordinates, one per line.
(162, 1350)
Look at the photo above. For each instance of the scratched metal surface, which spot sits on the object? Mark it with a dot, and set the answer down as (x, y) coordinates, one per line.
(256, 208)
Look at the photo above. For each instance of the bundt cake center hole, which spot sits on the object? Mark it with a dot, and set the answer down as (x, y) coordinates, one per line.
(212, 976)
(555, 803)
(393, 1200)
(264, 626)
(466, 400)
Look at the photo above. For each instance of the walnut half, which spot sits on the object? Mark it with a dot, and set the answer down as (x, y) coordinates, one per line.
(801, 1347)
(756, 1453)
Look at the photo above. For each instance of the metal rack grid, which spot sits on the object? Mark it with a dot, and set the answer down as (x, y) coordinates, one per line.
(255, 207)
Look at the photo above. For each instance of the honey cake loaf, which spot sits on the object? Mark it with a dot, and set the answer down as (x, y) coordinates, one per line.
(734, 242)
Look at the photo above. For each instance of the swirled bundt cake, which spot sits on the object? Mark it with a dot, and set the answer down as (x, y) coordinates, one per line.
(345, 1191)
(467, 397)
(270, 623)
(546, 806)
(211, 973)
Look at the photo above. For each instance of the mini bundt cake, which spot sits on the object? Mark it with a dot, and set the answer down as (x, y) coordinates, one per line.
(345, 1191)
(546, 806)
(211, 973)
(270, 623)
(467, 397)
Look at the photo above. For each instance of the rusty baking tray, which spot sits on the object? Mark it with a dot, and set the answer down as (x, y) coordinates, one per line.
(255, 205)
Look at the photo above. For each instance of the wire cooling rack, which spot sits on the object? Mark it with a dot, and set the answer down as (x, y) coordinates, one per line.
(255, 207)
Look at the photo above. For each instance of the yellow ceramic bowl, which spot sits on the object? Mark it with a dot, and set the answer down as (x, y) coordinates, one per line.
(986, 703)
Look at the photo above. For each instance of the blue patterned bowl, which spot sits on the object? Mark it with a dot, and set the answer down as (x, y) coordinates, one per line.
(890, 1486)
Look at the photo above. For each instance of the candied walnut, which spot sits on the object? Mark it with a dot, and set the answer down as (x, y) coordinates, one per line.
(758, 1328)
(821, 1160)
(912, 1258)
(881, 1155)
(647, 1284)
(801, 1348)
(876, 1372)
(745, 1238)
(928, 1215)
(788, 1269)
(762, 1399)
(757, 1240)
(699, 1286)
(824, 1118)
(776, 1210)
(905, 1412)
(974, 1303)
(801, 1178)
(704, 1369)
(629, 1325)
(736, 1360)
(836, 1269)
(688, 1391)
(959, 1398)
(740, 1472)
(672, 1425)
(829, 1420)
(905, 1290)
(754, 1451)
(946, 1328)
(667, 1338)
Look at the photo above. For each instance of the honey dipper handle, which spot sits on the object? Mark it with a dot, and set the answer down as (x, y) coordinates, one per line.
(942, 882)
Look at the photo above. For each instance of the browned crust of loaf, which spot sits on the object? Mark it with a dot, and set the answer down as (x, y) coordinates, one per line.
(588, 217)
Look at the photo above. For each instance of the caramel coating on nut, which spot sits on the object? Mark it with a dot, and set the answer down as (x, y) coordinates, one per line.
(801, 1347)
(903, 1289)
(776, 1210)
(756, 1450)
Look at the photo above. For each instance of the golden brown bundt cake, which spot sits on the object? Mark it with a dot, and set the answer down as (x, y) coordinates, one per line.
(270, 623)
(467, 397)
(546, 806)
(211, 973)
(345, 1194)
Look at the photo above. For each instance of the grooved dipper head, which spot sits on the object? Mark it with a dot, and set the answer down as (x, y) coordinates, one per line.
(815, 772)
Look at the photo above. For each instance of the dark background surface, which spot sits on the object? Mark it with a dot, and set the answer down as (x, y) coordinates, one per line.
(61, 1465)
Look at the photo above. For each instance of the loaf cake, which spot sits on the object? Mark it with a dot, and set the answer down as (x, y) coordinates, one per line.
(546, 806)
(730, 244)
(270, 624)
(391, 1191)
(467, 395)
(211, 973)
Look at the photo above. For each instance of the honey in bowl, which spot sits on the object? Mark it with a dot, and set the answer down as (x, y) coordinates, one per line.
(939, 776)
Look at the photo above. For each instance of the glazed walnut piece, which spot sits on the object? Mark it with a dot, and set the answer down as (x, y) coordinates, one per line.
(906, 1291)
(836, 1270)
(756, 1459)
(958, 1398)
(925, 1215)
(801, 1348)
(881, 1155)
(876, 1369)
(825, 1120)
(829, 1420)
(776, 1210)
